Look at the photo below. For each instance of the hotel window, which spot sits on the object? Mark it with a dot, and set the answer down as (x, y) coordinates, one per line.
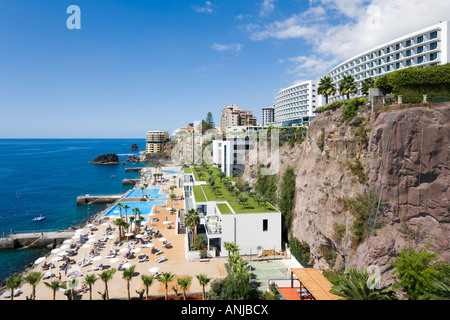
(408, 62)
(387, 50)
(265, 224)
(408, 53)
(388, 68)
(397, 56)
(420, 49)
(408, 43)
(433, 56)
(397, 65)
(420, 39)
(387, 59)
(420, 59)
(433, 35)
(433, 45)
(397, 46)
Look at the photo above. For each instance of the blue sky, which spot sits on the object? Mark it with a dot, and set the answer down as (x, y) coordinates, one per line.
(142, 65)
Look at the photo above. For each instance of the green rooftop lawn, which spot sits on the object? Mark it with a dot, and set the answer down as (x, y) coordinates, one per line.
(224, 208)
(222, 194)
(187, 170)
(251, 206)
(198, 194)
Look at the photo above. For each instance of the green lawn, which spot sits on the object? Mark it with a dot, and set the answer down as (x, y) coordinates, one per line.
(187, 170)
(224, 208)
(222, 194)
(198, 194)
(251, 206)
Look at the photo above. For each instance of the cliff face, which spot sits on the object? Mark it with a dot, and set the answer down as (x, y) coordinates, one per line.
(405, 162)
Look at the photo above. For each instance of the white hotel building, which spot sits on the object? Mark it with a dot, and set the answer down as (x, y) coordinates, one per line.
(423, 48)
(296, 104)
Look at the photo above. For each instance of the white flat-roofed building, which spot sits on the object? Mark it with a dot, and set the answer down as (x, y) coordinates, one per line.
(423, 48)
(296, 104)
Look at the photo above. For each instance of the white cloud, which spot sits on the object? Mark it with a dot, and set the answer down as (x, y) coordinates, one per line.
(267, 7)
(208, 8)
(366, 24)
(236, 47)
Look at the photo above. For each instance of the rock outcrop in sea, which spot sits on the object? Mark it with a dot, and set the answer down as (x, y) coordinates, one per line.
(110, 158)
(134, 146)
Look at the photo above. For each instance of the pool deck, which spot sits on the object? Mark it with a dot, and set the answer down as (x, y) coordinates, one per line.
(175, 263)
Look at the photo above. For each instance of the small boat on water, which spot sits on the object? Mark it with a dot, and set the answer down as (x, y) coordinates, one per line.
(40, 218)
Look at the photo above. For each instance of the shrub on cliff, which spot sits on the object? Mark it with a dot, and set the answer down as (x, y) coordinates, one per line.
(351, 107)
(287, 199)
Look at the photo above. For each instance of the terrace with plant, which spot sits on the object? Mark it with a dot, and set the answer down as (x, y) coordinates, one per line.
(220, 188)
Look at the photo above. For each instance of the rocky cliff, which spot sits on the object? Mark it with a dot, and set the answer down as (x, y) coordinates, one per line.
(110, 158)
(405, 161)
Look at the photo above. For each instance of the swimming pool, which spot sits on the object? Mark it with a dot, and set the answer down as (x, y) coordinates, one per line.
(170, 171)
(145, 207)
(152, 193)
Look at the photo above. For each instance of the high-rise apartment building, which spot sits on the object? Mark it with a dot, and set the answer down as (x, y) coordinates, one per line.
(268, 115)
(155, 141)
(233, 116)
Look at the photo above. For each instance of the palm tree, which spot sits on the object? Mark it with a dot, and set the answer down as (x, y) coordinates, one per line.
(14, 282)
(354, 286)
(106, 276)
(147, 281)
(347, 86)
(136, 212)
(366, 84)
(326, 88)
(126, 207)
(90, 279)
(120, 205)
(191, 220)
(184, 284)
(33, 279)
(165, 278)
(54, 285)
(120, 223)
(204, 280)
(128, 275)
(232, 248)
(142, 189)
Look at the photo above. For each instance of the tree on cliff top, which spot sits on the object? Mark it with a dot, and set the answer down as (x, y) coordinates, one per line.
(209, 119)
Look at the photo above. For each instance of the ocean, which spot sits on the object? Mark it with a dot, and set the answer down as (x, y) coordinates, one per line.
(45, 176)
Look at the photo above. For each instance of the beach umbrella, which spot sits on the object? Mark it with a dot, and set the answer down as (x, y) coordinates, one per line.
(116, 211)
(139, 236)
(114, 260)
(91, 240)
(76, 237)
(136, 250)
(65, 246)
(89, 225)
(105, 224)
(154, 269)
(169, 208)
(55, 250)
(126, 265)
(147, 245)
(129, 234)
(167, 222)
(39, 260)
(63, 253)
(162, 239)
(67, 241)
(96, 258)
(91, 236)
(86, 246)
(55, 259)
(124, 250)
(111, 237)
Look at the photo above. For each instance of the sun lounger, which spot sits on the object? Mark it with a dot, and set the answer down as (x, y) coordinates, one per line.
(99, 267)
(160, 259)
(15, 293)
(48, 275)
(142, 258)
